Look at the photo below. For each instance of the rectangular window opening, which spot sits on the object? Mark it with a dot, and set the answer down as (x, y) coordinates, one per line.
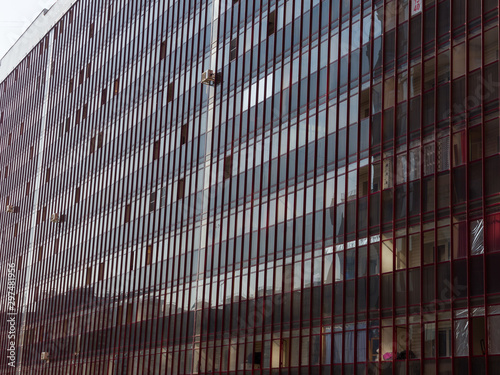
(184, 134)
(128, 209)
(100, 140)
(170, 92)
(180, 189)
(156, 150)
(271, 23)
(89, 276)
(233, 49)
(152, 202)
(101, 271)
(163, 50)
(228, 166)
(84, 111)
(77, 195)
(149, 255)
(103, 97)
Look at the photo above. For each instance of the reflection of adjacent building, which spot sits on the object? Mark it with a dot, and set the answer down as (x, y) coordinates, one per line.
(328, 205)
(289, 325)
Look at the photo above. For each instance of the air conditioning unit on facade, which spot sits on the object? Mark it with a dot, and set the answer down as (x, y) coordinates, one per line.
(208, 77)
(55, 218)
(9, 208)
(45, 356)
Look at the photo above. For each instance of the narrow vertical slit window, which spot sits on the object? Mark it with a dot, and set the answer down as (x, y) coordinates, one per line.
(184, 134)
(89, 276)
(149, 255)
(152, 202)
(81, 76)
(271, 23)
(156, 150)
(180, 189)
(84, 111)
(233, 49)
(89, 70)
(47, 175)
(92, 145)
(130, 310)
(100, 140)
(228, 167)
(170, 92)
(103, 97)
(163, 50)
(71, 85)
(101, 271)
(128, 210)
(116, 87)
(163, 197)
(40, 253)
(77, 195)
(91, 31)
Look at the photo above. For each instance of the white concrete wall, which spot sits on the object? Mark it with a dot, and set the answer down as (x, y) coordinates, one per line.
(33, 35)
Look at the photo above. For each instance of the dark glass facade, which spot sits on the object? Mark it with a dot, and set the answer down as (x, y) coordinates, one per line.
(330, 205)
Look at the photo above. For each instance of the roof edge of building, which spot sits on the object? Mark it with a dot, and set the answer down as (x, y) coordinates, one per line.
(38, 29)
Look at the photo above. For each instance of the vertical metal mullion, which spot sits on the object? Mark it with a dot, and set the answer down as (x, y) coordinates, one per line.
(370, 193)
(166, 323)
(484, 202)
(466, 162)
